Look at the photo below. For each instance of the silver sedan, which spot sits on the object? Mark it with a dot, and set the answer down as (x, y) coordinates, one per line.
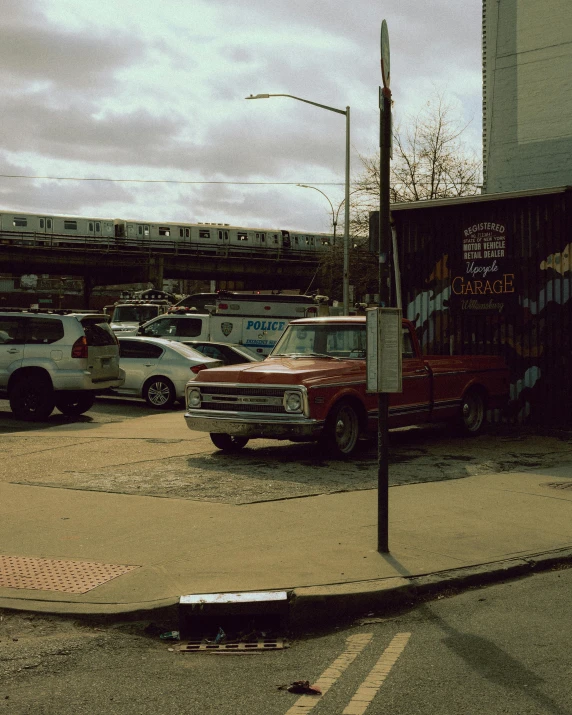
(158, 370)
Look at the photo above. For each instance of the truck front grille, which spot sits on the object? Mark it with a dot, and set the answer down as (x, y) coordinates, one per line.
(226, 407)
(266, 400)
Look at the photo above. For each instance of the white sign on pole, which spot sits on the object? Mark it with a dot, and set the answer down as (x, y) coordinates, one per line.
(384, 350)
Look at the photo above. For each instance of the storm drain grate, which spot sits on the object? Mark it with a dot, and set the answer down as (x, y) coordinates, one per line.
(559, 485)
(261, 644)
(57, 574)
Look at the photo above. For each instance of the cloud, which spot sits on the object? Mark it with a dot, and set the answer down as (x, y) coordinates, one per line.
(156, 91)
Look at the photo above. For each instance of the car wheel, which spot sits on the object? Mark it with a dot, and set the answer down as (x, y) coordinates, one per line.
(341, 431)
(472, 413)
(75, 404)
(228, 443)
(32, 399)
(159, 393)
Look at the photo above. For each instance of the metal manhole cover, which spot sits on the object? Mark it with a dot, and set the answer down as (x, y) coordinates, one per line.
(57, 574)
(559, 485)
(261, 644)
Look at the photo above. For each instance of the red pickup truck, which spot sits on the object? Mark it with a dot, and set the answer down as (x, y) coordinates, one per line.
(313, 387)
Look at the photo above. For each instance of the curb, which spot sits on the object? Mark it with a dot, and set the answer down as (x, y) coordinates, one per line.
(322, 606)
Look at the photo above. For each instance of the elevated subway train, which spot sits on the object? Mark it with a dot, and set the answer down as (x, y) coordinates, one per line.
(217, 238)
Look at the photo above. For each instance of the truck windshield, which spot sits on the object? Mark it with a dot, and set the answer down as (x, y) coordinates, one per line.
(336, 341)
(134, 313)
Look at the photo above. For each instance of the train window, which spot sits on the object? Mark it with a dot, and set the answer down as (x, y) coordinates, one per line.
(90, 226)
(275, 238)
(140, 230)
(295, 239)
(20, 221)
(187, 233)
(164, 231)
(49, 223)
(180, 233)
(204, 233)
(242, 236)
(97, 226)
(70, 225)
(41, 223)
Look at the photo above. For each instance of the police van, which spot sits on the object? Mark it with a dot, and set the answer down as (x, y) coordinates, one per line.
(253, 320)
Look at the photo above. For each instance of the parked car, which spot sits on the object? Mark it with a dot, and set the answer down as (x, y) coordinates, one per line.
(55, 359)
(158, 370)
(229, 353)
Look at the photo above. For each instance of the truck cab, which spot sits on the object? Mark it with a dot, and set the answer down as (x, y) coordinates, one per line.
(128, 315)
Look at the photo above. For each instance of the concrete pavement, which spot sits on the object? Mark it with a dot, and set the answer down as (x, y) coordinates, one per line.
(145, 552)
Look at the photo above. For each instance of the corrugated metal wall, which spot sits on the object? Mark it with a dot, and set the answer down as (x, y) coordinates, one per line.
(532, 329)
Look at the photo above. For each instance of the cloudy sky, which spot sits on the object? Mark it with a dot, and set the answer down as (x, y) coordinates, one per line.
(154, 91)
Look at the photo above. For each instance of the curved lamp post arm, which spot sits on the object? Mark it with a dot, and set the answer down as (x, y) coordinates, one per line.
(346, 113)
(334, 213)
(323, 106)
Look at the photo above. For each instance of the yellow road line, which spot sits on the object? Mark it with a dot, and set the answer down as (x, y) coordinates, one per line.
(354, 646)
(377, 675)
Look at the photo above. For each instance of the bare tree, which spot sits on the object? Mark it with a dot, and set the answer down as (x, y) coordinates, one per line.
(430, 161)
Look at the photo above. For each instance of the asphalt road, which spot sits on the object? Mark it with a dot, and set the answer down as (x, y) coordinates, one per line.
(499, 649)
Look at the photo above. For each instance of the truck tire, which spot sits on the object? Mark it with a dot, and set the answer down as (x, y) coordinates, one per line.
(159, 393)
(32, 399)
(472, 413)
(74, 404)
(341, 431)
(228, 443)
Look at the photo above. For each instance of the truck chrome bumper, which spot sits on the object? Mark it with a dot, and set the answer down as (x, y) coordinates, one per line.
(279, 427)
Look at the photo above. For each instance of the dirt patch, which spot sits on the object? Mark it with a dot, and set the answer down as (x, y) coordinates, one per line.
(268, 471)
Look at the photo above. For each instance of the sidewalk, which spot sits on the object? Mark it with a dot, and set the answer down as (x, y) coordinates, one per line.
(323, 549)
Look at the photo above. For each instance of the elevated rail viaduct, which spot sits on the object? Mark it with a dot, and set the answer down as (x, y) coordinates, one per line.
(101, 264)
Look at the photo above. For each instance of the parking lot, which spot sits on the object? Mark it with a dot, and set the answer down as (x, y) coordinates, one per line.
(123, 446)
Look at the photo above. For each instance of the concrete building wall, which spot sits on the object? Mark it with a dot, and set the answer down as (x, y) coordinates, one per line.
(527, 94)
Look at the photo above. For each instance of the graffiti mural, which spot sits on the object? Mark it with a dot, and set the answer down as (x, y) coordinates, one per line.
(492, 275)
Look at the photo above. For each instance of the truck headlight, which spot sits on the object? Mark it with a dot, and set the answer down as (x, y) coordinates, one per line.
(194, 398)
(293, 402)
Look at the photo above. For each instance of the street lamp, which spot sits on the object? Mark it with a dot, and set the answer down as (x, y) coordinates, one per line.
(335, 213)
(346, 112)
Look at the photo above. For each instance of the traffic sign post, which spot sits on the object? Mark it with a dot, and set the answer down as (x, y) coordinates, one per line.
(384, 287)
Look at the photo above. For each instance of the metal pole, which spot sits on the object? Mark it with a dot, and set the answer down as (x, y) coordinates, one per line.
(346, 277)
(383, 397)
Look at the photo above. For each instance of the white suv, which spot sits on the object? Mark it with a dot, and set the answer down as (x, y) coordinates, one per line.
(55, 359)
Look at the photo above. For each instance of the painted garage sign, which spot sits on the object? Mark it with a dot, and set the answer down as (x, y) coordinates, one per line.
(482, 281)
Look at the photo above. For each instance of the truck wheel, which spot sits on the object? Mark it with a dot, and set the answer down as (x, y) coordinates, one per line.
(227, 442)
(341, 432)
(472, 415)
(159, 393)
(75, 404)
(32, 399)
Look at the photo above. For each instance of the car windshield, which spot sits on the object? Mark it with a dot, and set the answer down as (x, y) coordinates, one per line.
(328, 340)
(134, 313)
